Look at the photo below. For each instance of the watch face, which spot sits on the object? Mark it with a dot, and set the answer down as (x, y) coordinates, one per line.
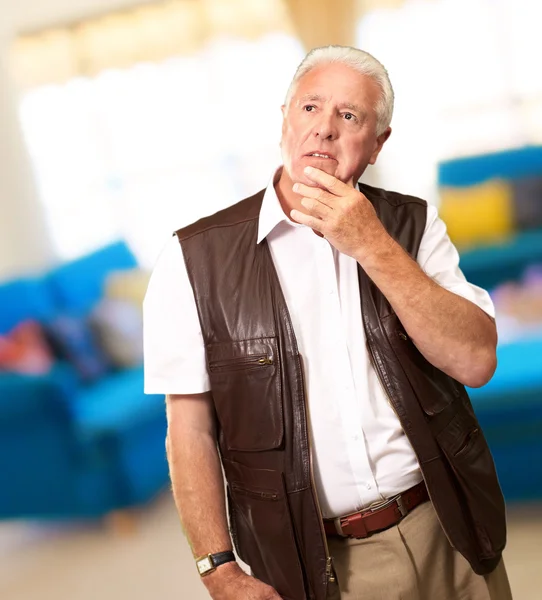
(204, 565)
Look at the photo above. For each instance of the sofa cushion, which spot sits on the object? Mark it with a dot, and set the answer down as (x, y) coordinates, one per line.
(79, 284)
(37, 394)
(73, 340)
(116, 403)
(513, 163)
(25, 350)
(480, 213)
(128, 285)
(24, 299)
(528, 202)
(118, 326)
(491, 265)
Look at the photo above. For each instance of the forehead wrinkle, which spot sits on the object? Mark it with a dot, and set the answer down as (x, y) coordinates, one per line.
(311, 98)
(351, 106)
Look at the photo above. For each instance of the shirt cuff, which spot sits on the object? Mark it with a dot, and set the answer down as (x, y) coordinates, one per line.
(184, 385)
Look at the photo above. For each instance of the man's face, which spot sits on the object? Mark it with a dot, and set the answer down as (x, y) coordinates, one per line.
(332, 113)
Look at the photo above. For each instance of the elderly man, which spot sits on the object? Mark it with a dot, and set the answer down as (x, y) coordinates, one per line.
(314, 340)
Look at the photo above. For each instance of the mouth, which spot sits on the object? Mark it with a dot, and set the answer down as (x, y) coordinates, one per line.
(321, 155)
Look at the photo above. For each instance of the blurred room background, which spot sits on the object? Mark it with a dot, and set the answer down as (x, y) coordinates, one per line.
(123, 120)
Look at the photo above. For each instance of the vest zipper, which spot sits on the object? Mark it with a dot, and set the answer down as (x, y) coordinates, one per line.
(330, 577)
(258, 494)
(388, 397)
(233, 364)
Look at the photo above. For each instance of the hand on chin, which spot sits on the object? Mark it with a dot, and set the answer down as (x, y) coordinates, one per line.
(328, 166)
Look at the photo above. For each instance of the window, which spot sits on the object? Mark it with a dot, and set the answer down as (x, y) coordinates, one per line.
(140, 152)
(466, 79)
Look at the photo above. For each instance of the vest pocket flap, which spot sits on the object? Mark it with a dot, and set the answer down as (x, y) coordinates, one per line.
(434, 389)
(243, 355)
(266, 483)
(457, 434)
(246, 388)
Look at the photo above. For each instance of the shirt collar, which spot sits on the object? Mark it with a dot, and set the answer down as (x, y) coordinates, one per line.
(271, 213)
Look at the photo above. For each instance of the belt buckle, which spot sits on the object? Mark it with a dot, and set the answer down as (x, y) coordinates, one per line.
(401, 507)
(379, 504)
(374, 507)
(339, 527)
(398, 499)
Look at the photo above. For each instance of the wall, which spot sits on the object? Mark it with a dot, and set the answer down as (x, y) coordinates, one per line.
(24, 242)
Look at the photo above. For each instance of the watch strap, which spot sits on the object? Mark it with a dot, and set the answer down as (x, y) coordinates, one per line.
(222, 557)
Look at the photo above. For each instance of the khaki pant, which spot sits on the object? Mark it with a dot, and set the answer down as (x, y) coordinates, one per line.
(411, 561)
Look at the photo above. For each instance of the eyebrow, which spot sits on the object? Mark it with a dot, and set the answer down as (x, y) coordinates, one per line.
(350, 106)
(319, 98)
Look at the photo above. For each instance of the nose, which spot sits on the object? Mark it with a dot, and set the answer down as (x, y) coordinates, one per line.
(326, 128)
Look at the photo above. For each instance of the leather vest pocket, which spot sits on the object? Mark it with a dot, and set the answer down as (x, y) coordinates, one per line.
(469, 456)
(246, 387)
(262, 528)
(434, 389)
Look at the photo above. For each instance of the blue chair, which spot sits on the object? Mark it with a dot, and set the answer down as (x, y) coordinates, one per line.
(70, 450)
(509, 407)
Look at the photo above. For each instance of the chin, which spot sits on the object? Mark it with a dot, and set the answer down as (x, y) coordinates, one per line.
(299, 174)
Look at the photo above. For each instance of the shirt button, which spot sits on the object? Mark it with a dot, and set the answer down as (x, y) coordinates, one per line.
(368, 486)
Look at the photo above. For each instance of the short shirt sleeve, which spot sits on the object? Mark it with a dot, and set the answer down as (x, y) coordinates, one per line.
(439, 258)
(174, 352)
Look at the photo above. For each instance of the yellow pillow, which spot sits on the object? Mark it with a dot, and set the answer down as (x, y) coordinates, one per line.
(480, 213)
(129, 285)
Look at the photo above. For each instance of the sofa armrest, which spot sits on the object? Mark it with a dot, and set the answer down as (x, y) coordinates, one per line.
(21, 395)
(40, 453)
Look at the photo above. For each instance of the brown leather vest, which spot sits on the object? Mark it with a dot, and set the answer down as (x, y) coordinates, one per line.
(257, 384)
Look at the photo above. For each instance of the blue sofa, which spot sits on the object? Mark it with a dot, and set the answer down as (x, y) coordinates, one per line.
(66, 449)
(509, 407)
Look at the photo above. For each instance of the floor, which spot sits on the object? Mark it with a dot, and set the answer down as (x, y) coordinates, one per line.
(153, 561)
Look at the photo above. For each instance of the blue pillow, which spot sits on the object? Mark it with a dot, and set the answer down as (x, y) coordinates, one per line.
(72, 339)
(25, 299)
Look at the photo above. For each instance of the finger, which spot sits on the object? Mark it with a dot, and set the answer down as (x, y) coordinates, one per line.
(314, 192)
(316, 208)
(331, 184)
(312, 222)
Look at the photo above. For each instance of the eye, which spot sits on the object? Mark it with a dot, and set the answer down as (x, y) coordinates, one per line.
(349, 116)
(309, 107)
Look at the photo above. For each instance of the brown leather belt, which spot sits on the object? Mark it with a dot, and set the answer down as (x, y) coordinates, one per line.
(381, 516)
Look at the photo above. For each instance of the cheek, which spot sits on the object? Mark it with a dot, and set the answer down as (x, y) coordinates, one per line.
(291, 141)
(361, 150)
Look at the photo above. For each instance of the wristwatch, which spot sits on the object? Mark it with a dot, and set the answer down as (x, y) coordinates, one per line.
(208, 564)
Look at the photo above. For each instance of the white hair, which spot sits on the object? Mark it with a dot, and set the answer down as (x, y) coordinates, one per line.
(357, 59)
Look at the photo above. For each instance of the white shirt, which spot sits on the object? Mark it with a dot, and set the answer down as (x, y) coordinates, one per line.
(360, 452)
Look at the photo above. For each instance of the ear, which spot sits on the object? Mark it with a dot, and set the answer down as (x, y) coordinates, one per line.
(380, 141)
